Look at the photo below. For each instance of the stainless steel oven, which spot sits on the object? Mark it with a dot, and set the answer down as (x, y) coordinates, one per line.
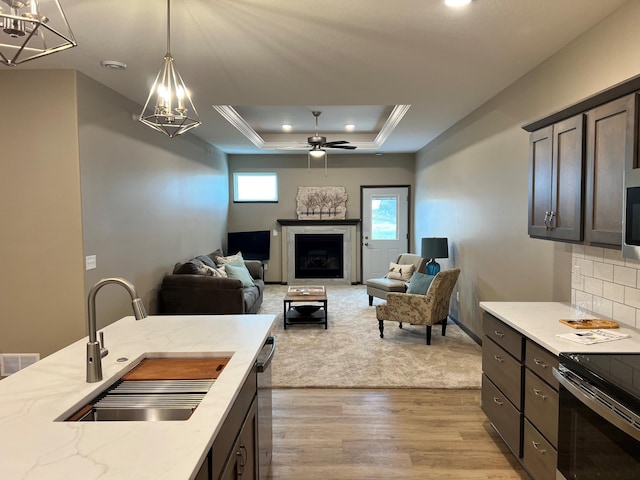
(599, 427)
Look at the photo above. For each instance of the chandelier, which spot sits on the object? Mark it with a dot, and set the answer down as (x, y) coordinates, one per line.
(173, 112)
(30, 31)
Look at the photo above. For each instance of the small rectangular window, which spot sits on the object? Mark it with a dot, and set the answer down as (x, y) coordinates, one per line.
(255, 187)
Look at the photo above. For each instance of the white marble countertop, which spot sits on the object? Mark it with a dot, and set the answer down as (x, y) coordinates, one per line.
(35, 445)
(540, 322)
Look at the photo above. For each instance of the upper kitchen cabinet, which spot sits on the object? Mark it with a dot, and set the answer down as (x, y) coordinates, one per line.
(610, 142)
(577, 163)
(556, 180)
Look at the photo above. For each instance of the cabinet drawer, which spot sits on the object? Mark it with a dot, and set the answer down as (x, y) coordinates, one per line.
(541, 406)
(538, 456)
(506, 418)
(541, 362)
(503, 335)
(503, 370)
(223, 444)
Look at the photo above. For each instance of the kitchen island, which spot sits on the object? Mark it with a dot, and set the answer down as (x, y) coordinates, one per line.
(36, 442)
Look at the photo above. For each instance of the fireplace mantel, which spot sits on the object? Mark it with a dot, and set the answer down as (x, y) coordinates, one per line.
(303, 223)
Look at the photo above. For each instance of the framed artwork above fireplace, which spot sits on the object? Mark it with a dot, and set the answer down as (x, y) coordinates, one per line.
(321, 203)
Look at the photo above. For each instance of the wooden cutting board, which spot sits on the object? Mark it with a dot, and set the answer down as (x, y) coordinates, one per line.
(587, 323)
(177, 369)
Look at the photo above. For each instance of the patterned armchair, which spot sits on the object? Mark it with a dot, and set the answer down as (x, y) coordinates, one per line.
(428, 309)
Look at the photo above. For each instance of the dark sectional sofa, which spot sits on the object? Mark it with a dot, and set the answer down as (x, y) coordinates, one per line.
(192, 289)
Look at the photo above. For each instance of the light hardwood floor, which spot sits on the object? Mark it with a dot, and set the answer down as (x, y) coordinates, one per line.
(352, 434)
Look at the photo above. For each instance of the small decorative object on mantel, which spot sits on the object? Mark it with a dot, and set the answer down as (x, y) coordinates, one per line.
(321, 203)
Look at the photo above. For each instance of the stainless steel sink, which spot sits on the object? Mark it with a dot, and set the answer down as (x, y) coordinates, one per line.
(157, 388)
(148, 400)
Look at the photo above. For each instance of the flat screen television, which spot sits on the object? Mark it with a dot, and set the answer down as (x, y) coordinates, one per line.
(253, 245)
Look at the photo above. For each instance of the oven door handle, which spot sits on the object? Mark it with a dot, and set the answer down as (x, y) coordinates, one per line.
(601, 403)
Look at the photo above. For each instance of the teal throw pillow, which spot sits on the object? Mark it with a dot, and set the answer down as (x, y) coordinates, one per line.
(419, 283)
(239, 272)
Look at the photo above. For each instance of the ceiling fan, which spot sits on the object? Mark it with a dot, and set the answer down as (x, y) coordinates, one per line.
(318, 143)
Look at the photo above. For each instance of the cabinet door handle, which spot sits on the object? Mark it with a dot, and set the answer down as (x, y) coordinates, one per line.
(498, 333)
(498, 358)
(240, 460)
(539, 393)
(536, 445)
(497, 400)
(551, 215)
(546, 219)
(540, 363)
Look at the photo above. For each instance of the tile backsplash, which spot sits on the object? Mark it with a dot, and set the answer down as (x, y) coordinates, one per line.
(605, 283)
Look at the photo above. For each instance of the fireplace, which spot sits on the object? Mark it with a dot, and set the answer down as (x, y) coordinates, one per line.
(319, 256)
(345, 230)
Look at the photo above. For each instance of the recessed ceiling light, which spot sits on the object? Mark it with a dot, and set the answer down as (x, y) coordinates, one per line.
(456, 3)
(349, 127)
(113, 65)
(286, 127)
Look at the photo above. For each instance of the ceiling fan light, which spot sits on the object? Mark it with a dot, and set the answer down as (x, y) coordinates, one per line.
(317, 153)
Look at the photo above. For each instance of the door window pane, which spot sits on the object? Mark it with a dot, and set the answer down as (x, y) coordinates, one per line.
(384, 218)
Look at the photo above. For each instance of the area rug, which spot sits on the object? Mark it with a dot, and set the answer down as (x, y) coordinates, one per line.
(351, 354)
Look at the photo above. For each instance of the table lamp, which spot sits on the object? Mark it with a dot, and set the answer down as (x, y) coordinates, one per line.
(432, 248)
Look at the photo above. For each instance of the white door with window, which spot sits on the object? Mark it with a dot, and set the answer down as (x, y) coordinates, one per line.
(385, 228)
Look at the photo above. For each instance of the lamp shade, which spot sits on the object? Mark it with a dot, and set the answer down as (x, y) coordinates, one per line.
(435, 247)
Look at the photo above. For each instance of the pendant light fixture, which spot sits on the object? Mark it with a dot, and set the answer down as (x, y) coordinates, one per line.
(173, 112)
(30, 32)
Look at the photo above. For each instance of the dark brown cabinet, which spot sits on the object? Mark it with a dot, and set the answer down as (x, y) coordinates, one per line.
(578, 157)
(241, 464)
(502, 367)
(610, 143)
(234, 452)
(541, 410)
(520, 396)
(556, 167)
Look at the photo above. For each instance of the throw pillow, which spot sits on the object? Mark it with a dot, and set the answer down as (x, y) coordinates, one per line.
(239, 273)
(217, 271)
(419, 283)
(232, 259)
(205, 259)
(400, 272)
(192, 267)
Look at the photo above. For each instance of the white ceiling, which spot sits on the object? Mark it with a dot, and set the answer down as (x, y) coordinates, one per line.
(276, 61)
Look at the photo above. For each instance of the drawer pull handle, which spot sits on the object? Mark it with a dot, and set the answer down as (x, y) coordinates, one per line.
(497, 400)
(540, 363)
(539, 393)
(536, 445)
(498, 358)
(498, 333)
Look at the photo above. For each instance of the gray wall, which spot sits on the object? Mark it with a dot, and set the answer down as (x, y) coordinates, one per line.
(88, 180)
(42, 286)
(349, 171)
(472, 181)
(148, 201)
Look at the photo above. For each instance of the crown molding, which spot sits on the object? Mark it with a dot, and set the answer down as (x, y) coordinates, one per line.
(234, 118)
